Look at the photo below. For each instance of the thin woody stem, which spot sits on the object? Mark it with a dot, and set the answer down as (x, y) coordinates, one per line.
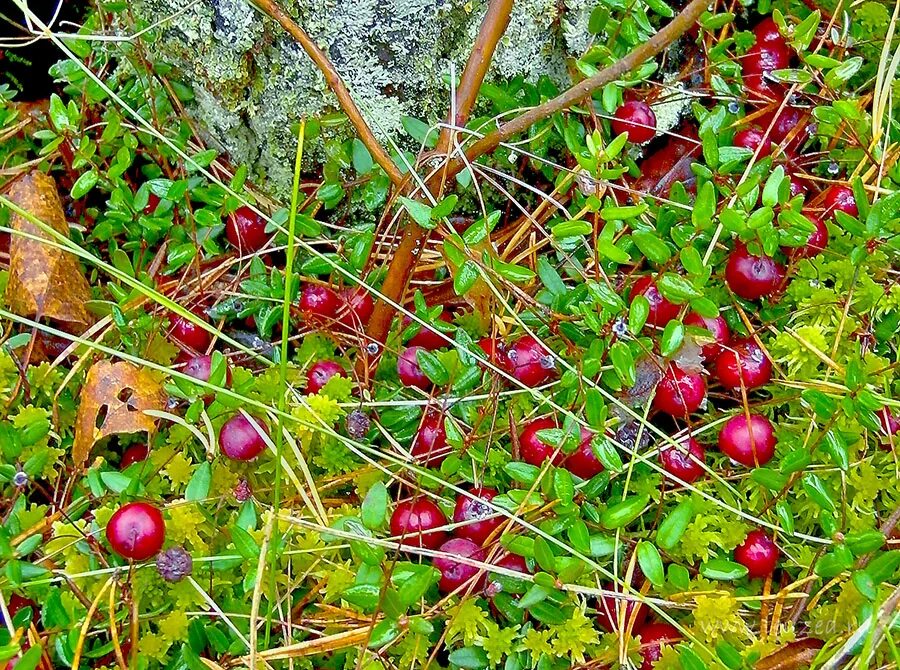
(336, 84)
(414, 238)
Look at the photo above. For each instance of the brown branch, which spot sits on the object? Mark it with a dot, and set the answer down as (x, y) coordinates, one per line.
(414, 238)
(336, 84)
(492, 29)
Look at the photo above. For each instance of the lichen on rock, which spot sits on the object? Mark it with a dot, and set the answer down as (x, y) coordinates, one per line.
(252, 82)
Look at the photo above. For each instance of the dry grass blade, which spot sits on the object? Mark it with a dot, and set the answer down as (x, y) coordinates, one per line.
(322, 645)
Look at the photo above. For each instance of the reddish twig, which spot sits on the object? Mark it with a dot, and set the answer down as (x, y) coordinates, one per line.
(336, 84)
(414, 238)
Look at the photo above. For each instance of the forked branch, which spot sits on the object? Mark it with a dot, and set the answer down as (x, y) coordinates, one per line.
(336, 84)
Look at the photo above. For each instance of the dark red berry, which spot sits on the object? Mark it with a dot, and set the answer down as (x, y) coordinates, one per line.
(200, 367)
(320, 372)
(637, 119)
(428, 338)
(133, 454)
(743, 363)
(653, 636)
(189, 334)
(762, 89)
(751, 138)
(890, 425)
(679, 393)
(583, 462)
(240, 440)
(357, 309)
(246, 230)
(531, 449)
(430, 444)
(661, 310)
(408, 369)
(764, 58)
(840, 198)
(797, 185)
(610, 611)
(529, 362)
(767, 32)
(685, 460)
(752, 277)
(750, 443)
(16, 603)
(174, 564)
(152, 203)
(783, 122)
(455, 574)
(717, 327)
(480, 519)
(494, 351)
(136, 531)
(758, 554)
(319, 303)
(815, 244)
(418, 523)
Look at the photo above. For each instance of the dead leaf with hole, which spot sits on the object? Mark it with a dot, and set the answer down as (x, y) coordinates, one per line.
(114, 399)
(792, 656)
(45, 281)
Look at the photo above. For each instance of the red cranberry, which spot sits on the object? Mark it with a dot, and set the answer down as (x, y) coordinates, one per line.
(16, 603)
(246, 230)
(189, 334)
(815, 244)
(529, 362)
(751, 138)
(679, 393)
(763, 58)
(152, 203)
(240, 440)
(685, 461)
(358, 309)
(717, 327)
(653, 636)
(767, 32)
(133, 454)
(583, 462)
(609, 613)
(761, 89)
(136, 531)
(455, 574)
(758, 554)
(532, 449)
(752, 277)
(408, 369)
(748, 443)
(320, 372)
(890, 425)
(319, 303)
(797, 185)
(743, 361)
(417, 523)
(840, 198)
(430, 444)
(783, 122)
(494, 351)
(637, 119)
(200, 367)
(482, 520)
(427, 338)
(661, 310)
(510, 562)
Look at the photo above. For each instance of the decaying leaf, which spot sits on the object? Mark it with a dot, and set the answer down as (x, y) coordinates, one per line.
(794, 655)
(44, 280)
(113, 400)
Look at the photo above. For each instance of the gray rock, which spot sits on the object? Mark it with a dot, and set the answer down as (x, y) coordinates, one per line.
(252, 82)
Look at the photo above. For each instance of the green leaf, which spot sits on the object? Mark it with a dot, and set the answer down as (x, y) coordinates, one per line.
(611, 252)
(469, 658)
(672, 338)
(567, 229)
(432, 367)
(722, 569)
(673, 527)
(420, 212)
(384, 633)
(563, 485)
(704, 207)
(837, 449)
(816, 490)
(364, 596)
(465, 277)
(244, 543)
(865, 541)
(514, 273)
(414, 587)
(550, 277)
(579, 537)
(623, 513)
(623, 362)
(652, 246)
(362, 159)
(677, 289)
(650, 562)
(445, 207)
(198, 486)
(115, 481)
(84, 184)
(638, 313)
(373, 511)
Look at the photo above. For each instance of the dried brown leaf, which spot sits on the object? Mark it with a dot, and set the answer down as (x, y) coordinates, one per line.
(114, 399)
(44, 280)
(794, 655)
